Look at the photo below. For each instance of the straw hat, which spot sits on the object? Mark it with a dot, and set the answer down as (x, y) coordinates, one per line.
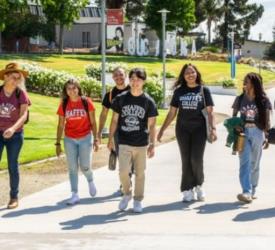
(12, 67)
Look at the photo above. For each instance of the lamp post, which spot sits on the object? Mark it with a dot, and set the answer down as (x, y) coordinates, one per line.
(260, 39)
(103, 46)
(163, 17)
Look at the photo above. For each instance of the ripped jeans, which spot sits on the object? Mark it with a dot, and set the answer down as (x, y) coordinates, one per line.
(79, 154)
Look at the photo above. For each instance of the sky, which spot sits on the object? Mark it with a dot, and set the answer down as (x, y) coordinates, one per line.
(266, 23)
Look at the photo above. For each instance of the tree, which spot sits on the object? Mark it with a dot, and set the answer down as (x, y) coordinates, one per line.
(63, 13)
(273, 33)
(135, 8)
(240, 15)
(270, 53)
(181, 15)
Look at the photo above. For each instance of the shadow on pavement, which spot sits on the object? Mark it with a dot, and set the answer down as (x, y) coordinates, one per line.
(58, 206)
(179, 205)
(219, 207)
(94, 220)
(255, 215)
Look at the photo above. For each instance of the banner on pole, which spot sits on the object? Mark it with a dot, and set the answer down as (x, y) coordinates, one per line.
(115, 17)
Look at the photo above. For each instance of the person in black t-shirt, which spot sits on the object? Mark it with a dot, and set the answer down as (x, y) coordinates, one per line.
(254, 108)
(134, 119)
(187, 104)
(119, 76)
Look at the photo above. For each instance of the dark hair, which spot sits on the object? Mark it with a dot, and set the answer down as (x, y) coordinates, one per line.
(120, 30)
(260, 98)
(181, 80)
(70, 82)
(139, 72)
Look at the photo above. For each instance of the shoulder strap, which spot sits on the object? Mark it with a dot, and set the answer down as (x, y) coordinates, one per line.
(64, 104)
(240, 101)
(17, 91)
(203, 96)
(111, 95)
(85, 103)
(147, 101)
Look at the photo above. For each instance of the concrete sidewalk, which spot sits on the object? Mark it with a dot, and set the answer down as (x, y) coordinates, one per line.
(43, 220)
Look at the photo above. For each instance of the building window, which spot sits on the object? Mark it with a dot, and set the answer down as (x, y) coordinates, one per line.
(86, 39)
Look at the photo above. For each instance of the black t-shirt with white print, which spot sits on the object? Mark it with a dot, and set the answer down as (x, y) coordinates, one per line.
(134, 112)
(114, 92)
(190, 102)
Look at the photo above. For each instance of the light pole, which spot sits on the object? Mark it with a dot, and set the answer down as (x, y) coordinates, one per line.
(163, 17)
(260, 39)
(103, 46)
(232, 61)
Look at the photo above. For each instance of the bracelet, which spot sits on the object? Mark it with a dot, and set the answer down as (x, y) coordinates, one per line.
(57, 144)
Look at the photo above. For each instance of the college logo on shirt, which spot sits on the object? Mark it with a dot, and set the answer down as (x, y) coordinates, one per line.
(190, 100)
(75, 113)
(6, 109)
(131, 115)
(250, 112)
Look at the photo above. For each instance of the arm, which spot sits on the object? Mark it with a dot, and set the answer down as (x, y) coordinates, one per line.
(8, 133)
(152, 136)
(212, 122)
(112, 130)
(59, 133)
(102, 121)
(169, 118)
(93, 122)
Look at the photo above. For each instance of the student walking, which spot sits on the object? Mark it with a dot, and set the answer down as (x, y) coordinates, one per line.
(134, 119)
(119, 77)
(14, 104)
(189, 98)
(77, 118)
(254, 107)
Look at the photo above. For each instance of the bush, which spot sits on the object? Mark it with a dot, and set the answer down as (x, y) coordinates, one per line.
(50, 82)
(228, 83)
(270, 53)
(154, 88)
(210, 49)
(94, 70)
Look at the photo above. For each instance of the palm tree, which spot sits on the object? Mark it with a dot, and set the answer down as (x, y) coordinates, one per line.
(211, 11)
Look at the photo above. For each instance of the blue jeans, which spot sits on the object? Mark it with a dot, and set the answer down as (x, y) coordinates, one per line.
(13, 146)
(79, 153)
(250, 159)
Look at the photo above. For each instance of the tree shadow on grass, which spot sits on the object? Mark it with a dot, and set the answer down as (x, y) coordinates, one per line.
(59, 206)
(219, 207)
(255, 215)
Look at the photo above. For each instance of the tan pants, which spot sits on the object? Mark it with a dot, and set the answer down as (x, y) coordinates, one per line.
(132, 156)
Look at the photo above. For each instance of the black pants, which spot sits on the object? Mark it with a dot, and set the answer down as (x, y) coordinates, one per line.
(191, 139)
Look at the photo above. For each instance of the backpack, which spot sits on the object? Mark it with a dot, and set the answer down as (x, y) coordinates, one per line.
(84, 103)
(17, 94)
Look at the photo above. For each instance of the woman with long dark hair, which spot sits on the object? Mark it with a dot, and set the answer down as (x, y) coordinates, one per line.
(189, 98)
(77, 118)
(254, 107)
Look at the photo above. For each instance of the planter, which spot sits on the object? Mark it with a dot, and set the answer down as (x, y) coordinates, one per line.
(220, 90)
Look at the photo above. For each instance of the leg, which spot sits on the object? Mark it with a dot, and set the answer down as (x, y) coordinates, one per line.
(256, 154)
(85, 156)
(14, 145)
(71, 150)
(125, 162)
(198, 142)
(245, 167)
(184, 140)
(139, 160)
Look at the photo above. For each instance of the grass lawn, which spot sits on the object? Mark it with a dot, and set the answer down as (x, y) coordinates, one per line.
(75, 64)
(40, 132)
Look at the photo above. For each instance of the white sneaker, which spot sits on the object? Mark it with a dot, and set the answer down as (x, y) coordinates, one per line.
(188, 196)
(73, 200)
(200, 193)
(92, 189)
(123, 204)
(137, 206)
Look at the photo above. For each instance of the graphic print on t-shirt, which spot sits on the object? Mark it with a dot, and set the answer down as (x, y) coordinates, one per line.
(250, 112)
(131, 115)
(75, 113)
(6, 109)
(190, 100)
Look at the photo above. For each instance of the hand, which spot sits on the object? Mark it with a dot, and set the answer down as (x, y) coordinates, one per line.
(96, 145)
(151, 151)
(8, 133)
(58, 150)
(238, 129)
(265, 144)
(214, 135)
(110, 145)
(160, 134)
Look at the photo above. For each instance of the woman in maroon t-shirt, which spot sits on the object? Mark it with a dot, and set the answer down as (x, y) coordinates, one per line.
(14, 104)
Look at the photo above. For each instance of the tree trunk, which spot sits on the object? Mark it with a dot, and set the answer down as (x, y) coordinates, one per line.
(61, 38)
(226, 23)
(209, 23)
